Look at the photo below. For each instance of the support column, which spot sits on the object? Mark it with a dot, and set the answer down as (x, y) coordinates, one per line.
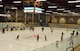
(39, 18)
(33, 18)
(25, 19)
(33, 13)
(16, 20)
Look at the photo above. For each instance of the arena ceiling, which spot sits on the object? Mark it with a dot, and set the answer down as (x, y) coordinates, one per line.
(61, 4)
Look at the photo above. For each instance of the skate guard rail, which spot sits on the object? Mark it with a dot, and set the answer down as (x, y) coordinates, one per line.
(65, 25)
(10, 24)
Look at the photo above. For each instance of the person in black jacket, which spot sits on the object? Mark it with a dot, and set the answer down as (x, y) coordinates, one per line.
(17, 37)
(42, 28)
(3, 30)
(77, 33)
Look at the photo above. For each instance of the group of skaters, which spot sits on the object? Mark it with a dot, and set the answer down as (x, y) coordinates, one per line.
(72, 34)
(32, 28)
(12, 29)
(45, 37)
(70, 39)
(38, 37)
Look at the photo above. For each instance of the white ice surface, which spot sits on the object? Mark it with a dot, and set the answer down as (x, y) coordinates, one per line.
(28, 41)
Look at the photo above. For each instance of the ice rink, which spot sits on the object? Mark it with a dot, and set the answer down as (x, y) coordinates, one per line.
(28, 40)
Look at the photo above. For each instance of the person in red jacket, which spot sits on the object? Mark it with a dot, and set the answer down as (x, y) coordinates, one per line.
(38, 37)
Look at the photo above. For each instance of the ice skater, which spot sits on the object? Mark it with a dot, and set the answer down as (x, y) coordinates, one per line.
(56, 43)
(71, 40)
(45, 38)
(33, 29)
(3, 30)
(73, 32)
(51, 31)
(77, 33)
(42, 29)
(17, 37)
(61, 38)
(62, 34)
(37, 37)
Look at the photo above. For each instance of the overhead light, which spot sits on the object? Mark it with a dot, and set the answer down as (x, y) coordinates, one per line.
(48, 11)
(13, 7)
(77, 5)
(32, 8)
(0, 0)
(55, 12)
(73, 1)
(16, 1)
(60, 9)
(66, 11)
(1, 5)
(60, 13)
(40, 0)
(52, 6)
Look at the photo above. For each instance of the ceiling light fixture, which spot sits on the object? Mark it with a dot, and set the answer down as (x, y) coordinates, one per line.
(66, 11)
(73, 1)
(48, 11)
(77, 6)
(60, 9)
(16, 1)
(13, 7)
(1, 5)
(0, 0)
(55, 12)
(52, 6)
